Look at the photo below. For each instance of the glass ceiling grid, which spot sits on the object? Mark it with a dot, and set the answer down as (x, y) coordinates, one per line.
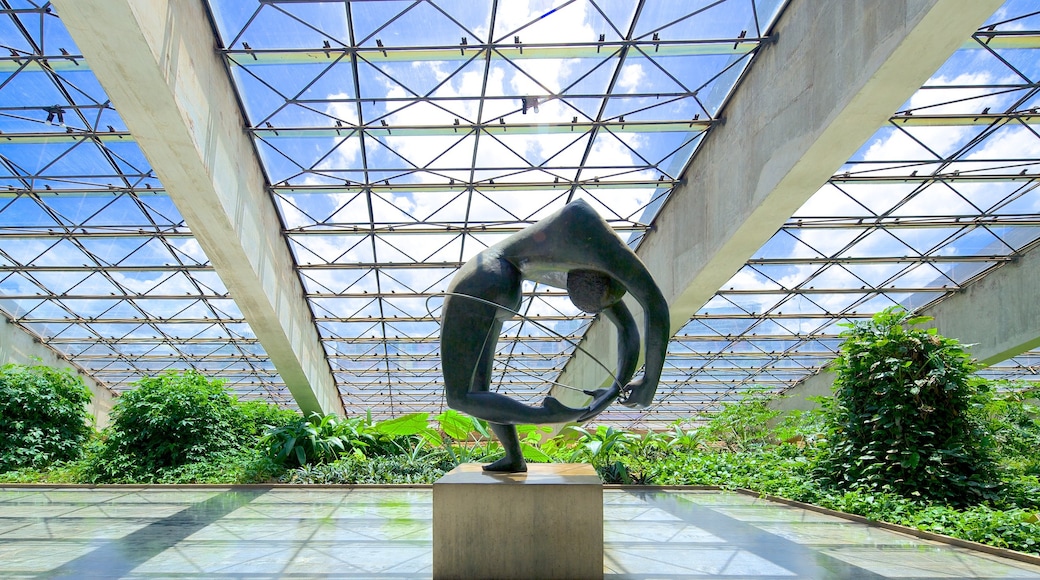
(939, 197)
(95, 261)
(401, 138)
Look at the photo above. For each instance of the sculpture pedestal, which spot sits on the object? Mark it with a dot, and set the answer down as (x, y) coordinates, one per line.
(546, 523)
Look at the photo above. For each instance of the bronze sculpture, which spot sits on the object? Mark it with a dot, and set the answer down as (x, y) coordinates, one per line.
(575, 249)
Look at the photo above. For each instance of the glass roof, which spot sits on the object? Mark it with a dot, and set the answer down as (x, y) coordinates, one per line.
(939, 196)
(400, 138)
(95, 260)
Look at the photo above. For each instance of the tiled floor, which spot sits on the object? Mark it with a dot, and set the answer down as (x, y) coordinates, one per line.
(386, 533)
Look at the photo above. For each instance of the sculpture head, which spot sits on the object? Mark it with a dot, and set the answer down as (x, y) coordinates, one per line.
(593, 291)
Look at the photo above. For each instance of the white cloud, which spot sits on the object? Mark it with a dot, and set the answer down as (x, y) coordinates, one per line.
(631, 77)
(444, 153)
(895, 145)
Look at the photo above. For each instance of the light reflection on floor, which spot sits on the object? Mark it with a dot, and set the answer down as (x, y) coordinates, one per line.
(298, 532)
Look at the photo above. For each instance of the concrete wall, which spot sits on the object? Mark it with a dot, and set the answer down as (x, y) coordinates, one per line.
(156, 60)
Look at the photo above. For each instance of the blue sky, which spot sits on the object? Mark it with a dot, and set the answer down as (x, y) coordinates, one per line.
(88, 232)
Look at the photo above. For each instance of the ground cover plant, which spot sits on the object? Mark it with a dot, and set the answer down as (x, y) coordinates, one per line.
(189, 429)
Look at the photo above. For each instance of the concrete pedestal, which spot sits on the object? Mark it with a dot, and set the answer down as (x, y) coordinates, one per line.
(546, 523)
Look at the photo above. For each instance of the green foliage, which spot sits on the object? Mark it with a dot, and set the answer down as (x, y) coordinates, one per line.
(303, 441)
(743, 425)
(461, 437)
(392, 469)
(1014, 528)
(746, 446)
(461, 427)
(906, 415)
(787, 471)
(413, 424)
(248, 465)
(167, 421)
(182, 427)
(1015, 426)
(322, 439)
(43, 416)
(255, 418)
(604, 448)
(683, 440)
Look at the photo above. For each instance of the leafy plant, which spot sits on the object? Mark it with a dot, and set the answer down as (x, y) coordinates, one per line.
(393, 469)
(1015, 426)
(311, 440)
(43, 416)
(461, 437)
(255, 418)
(907, 414)
(743, 424)
(173, 421)
(683, 440)
(604, 448)
(323, 439)
(413, 424)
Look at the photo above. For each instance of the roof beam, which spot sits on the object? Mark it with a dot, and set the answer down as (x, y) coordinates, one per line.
(997, 317)
(157, 63)
(807, 104)
(376, 55)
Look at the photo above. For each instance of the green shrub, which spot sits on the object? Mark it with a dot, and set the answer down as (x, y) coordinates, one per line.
(255, 418)
(1015, 426)
(173, 419)
(907, 415)
(744, 424)
(179, 426)
(43, 416)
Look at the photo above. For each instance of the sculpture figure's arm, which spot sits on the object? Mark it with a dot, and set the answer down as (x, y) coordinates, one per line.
(627, 359)
(655, 335)
(608, 252)
(576, 237)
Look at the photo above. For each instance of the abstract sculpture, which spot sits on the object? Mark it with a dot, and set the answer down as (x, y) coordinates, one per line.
(573, 249)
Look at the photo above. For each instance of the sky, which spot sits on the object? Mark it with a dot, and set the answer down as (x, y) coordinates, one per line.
(428, 155)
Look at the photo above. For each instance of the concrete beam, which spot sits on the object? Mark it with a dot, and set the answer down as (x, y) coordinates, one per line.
(806, 105)
(156, 60)
(21, 347)
(997, 317)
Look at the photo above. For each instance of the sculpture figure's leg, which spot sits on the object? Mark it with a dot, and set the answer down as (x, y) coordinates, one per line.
(485, 293)
(513, 462)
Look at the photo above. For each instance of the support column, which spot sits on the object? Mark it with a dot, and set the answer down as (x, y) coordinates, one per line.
(808, 102)
(157, 62)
